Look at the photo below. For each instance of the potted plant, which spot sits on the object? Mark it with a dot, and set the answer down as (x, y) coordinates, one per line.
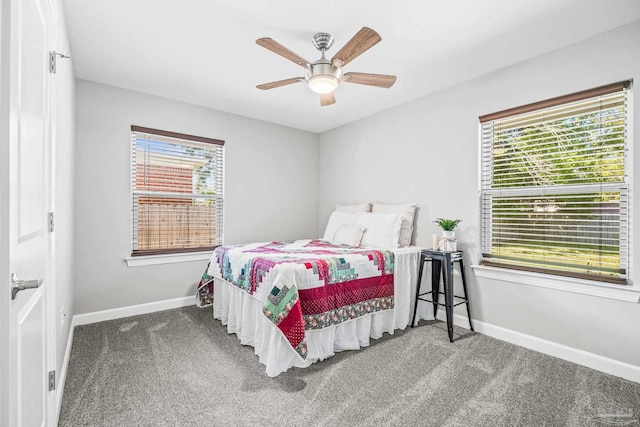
(446, 242)
(448, 226)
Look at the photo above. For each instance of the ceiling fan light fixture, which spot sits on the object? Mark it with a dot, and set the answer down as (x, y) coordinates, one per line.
(323, 83)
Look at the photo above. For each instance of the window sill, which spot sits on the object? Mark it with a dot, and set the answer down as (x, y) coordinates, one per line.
(140, 261)
(626, 293)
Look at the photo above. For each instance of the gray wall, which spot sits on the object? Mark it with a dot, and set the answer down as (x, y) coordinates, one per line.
(63, 203)
(271, 190)
(427, 152)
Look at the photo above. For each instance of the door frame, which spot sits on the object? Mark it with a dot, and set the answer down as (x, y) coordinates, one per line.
(5, 299)
(7, 131)
(51, 311)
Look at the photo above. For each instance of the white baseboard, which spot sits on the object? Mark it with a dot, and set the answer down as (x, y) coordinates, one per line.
(581, 357)
(63, 373)
(132, 310)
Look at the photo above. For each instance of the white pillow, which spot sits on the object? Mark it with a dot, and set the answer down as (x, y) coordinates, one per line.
(407, 211)
(361, 207)
(337, 219)
(349, 234)
(382, 229)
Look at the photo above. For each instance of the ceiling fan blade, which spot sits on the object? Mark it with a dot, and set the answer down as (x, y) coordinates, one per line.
(327, 99)
(279, 83)
(360, 43)
(275, 47)
(379, 80)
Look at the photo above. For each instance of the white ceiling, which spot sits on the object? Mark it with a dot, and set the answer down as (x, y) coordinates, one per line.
(204, 51)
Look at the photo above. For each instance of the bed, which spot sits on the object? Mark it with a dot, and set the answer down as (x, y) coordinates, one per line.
(299, 302)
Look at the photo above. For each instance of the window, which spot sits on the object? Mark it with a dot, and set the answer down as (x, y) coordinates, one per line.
(177, 192)
(555, 186)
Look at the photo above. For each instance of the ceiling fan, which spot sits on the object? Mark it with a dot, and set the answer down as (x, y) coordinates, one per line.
(324, 76)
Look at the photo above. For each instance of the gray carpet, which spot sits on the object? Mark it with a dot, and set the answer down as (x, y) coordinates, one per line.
(181, 368)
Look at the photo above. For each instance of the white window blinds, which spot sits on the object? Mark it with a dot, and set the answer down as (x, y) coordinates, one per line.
(177, 184)
(555, 186)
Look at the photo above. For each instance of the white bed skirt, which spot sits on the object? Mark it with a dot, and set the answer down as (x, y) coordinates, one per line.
(242, 314)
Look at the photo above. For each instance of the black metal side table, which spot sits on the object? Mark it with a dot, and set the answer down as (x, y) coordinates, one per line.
(442, 261)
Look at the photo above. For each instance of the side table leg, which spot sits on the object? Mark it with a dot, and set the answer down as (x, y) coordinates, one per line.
(415, 305)
(448, 283)
(436, 269)
(466, 296)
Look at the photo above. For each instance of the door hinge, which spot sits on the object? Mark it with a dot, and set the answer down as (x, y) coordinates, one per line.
(51, 221)
(52, 62)
(53, 58)
(52, 380)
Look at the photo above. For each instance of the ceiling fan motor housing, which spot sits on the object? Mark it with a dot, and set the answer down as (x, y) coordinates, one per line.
(325, 68)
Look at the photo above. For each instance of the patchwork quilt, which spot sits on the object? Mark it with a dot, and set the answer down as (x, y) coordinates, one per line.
(305, 284)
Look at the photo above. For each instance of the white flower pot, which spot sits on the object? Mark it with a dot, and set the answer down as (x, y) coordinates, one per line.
(448, 241)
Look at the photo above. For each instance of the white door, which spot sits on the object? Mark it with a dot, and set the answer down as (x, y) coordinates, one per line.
(26, 126)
